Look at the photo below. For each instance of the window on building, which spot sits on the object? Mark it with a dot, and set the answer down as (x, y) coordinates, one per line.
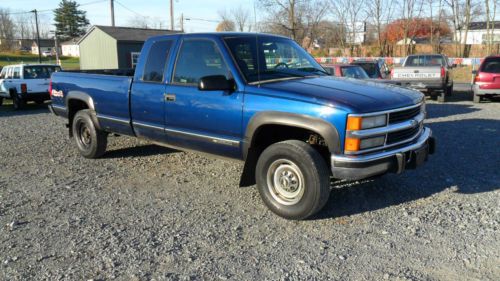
(157, 59)
(134, 58)
(197, 59)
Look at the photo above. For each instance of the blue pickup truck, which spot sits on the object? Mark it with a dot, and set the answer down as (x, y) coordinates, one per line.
(257, 98)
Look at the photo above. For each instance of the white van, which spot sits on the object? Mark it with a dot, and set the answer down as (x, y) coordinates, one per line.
(26, 82)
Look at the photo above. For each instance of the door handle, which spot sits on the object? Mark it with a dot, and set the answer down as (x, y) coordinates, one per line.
(169, 97)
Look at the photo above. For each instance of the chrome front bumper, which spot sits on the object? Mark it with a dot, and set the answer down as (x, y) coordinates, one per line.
(356, 167)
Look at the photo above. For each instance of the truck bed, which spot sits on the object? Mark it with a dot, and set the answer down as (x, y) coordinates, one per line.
(110, 94)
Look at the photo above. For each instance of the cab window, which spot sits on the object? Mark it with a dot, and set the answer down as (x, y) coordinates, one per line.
(157, 59)
(198, 58)
(16, 73)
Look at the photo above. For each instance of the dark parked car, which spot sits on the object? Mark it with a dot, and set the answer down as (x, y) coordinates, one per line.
(376, 69)
(346, 70)
(487, 79)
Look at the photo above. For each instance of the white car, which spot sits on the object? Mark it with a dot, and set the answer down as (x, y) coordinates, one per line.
(26, 82)
(46, 54)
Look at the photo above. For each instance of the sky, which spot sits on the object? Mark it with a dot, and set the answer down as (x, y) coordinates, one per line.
(203, 13)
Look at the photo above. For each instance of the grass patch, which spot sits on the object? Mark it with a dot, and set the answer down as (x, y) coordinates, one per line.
(7, 58)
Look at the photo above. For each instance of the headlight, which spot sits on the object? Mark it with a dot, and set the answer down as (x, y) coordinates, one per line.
(372, 142)
(355, 123)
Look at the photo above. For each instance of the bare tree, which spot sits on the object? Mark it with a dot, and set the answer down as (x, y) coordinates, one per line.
(241, 18)
(284, 14)
(491, 10)
(23, 26)
(410, 9)
(353, 16)
(462, 12)
(225, 25)
(380, 12)
(7, 29)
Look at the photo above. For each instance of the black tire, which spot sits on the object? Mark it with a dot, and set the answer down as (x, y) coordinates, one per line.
(17, 101)
(476, 98)
(91, 142)
(449, 90)
(1, 101)
(302, 171)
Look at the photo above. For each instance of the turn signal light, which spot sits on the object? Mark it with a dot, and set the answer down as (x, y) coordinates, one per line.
(24, 88)
(351, 144)
(443, 73)
(354, 123)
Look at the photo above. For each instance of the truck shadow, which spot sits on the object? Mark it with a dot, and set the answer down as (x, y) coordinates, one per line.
(138, 151)
(435, 110)
(466, 161)
(7, 110)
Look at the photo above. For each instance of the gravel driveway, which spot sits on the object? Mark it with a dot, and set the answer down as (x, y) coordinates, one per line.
(144, 212)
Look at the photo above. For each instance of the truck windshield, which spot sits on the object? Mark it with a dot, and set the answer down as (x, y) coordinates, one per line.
(264, 58)
(39, 71)
(429, 60)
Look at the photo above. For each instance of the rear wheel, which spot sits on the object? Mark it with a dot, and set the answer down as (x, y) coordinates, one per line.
(293, 179)
(449, 90)
(441, 97)
(18, 102)
(91, 142)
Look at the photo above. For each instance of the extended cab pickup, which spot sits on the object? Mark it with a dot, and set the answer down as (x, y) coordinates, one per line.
(253, 97)
(426, 73)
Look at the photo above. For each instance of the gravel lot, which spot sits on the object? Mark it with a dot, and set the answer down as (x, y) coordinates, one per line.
(144, 212)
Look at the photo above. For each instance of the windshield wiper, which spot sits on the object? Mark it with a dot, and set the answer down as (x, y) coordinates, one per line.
(313, 70)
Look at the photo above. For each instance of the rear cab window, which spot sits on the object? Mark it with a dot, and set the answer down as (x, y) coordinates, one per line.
(427, 60)
(39, 71)
(491, 65)
(156, 62)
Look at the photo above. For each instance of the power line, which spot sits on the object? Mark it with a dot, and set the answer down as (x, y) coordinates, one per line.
(51, 10)
(130, 10)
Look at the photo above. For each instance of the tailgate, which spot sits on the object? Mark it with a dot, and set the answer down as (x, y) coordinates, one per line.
(37, 85)
(417, 73)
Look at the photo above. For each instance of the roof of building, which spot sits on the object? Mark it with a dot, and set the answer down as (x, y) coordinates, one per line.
(130, 34)
(72, 41)
(44, 43)
(482, 25)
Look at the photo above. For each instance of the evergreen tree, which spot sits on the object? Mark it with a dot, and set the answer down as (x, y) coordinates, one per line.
(70, 22)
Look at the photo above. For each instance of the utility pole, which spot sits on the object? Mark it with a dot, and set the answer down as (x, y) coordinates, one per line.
(37, 36)
(182, 22)
(57, 48)
(112, 8)
(172, 14)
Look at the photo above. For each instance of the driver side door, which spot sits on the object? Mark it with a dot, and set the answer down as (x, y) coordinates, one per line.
(208, 121)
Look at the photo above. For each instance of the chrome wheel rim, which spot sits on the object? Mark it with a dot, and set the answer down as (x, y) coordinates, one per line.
(285, 182)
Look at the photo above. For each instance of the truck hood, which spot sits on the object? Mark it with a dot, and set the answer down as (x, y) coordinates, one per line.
(358, 95)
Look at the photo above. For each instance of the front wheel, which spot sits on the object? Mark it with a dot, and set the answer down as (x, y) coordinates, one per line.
(293, 179)
(91, 142)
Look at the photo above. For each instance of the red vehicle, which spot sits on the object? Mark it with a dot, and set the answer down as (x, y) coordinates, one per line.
(486, 82)
(346, 70)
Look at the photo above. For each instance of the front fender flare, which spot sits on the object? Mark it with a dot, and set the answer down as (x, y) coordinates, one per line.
(314, 124)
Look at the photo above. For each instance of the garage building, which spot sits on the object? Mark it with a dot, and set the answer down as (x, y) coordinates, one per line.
(107, 47)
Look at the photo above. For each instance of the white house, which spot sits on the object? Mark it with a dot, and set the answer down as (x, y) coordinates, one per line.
(478, 33)
(71, 48)
(46, 45)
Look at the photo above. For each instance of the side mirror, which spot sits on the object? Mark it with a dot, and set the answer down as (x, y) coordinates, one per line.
(474, 72)
(454, 65)
(216, 83)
